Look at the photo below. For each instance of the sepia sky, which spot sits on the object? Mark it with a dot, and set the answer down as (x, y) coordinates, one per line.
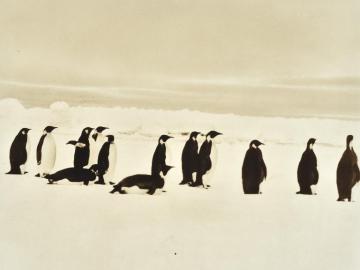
(141, 43)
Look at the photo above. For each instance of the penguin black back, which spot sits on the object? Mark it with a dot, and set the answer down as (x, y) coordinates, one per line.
(347, 173)
(307, 172)
(74, 175)
(81, 156)
(254, 170)
(142, 181)
(204, 160)
(189, 158)
(159, 157)
(18, 152)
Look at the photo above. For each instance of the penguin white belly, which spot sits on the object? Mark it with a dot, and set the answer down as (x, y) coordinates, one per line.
(109, 176)
(23, 167)
(95, 147)
(48, 155)
(208, 177)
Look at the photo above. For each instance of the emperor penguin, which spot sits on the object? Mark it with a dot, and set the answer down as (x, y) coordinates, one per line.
(96, 140)
(143, 181)
(46, 152)
(347, 173)
(81, 156)
(159, 157)
(189, 158)
(307, 172)
(73, 175)
(254, 169)
(106, 161)
(205, 159)
(19, 152)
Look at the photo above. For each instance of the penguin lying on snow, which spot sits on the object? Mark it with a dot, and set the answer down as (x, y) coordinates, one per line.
(19, 152)
(158, 161)
(74, 175)
(46, 152)
(204, 160)
(254, 169)
(189, 158)
(143, 181)
(347, 173)
(307, 172)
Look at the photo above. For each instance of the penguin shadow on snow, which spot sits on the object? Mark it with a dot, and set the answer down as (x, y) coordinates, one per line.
(19, 152)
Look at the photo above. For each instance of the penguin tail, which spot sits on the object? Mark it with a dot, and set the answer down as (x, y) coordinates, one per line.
(113, 191)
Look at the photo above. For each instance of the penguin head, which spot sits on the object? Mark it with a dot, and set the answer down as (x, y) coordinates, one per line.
(86, 131)
(100, 129)
(255, 143)
(311, 143)
(94, 168)
(48, 129)
(24, 131)
(164, 138)
(166, 169)
(110, 138)
(212, 134)
(349, 139)
(194, 135)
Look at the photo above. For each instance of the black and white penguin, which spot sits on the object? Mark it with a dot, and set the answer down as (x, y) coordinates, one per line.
(81, 156)
(347, 173)
(46, 152)
(254, 169)
(19, 152)
(106, 161)
(74, 175)
(307, 172)
(159, 158)
(96, 140)
(143, 181)
(189, 158)
(204, 159)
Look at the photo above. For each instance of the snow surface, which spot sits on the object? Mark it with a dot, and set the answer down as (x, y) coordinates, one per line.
(72, 226)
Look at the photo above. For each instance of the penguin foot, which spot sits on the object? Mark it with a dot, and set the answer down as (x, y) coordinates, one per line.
(111, 183)
(99, 183)
(195, 184)
(340, 200)
(50, 182)
(185, 182)
(37, 175)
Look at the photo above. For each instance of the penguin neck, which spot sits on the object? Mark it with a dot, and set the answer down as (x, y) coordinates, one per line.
(208, 139)
(349, 146)
(253, 146)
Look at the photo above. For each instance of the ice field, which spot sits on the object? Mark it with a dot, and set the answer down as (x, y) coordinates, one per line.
(72, 226)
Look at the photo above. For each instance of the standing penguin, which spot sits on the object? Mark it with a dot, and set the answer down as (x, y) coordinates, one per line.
(204, 159)
(106, 161)
(307, 172)
(81, 156)
(96, 141)
(254, 169)
(189, 158)
(347, 173)
(19, 152)
(158, 161)
(46, 152)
